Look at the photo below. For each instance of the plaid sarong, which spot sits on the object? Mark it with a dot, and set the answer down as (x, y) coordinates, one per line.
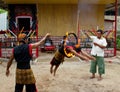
(57, 59)
(58, 56)
(25, 76)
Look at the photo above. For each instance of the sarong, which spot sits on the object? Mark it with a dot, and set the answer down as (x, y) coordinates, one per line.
(25, 76)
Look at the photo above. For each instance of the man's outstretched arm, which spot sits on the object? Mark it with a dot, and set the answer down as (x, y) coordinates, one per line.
(35, 45)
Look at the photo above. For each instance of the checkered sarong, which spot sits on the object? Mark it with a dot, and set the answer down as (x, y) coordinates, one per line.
(58, 56)
(25, 76)
(57, 59)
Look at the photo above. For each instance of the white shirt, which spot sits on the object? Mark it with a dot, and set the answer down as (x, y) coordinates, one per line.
(96, 50)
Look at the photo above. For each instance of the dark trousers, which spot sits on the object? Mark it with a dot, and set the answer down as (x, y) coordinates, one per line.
(29, 87)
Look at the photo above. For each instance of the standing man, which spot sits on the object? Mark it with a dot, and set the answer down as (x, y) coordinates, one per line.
(99, 43)
(22, 55)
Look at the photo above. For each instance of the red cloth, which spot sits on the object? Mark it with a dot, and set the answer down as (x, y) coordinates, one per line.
(49, 48)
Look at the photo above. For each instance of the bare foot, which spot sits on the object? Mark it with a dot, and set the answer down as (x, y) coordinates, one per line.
(99, 78)
(92, 77)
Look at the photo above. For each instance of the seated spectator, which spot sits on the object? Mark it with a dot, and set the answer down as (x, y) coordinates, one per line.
(48, 42)
(48, 46)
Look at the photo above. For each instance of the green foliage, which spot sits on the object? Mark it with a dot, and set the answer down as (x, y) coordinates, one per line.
(118, 41)
(2, 11)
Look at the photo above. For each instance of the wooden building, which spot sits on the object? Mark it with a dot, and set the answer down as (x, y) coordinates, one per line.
(58, 17)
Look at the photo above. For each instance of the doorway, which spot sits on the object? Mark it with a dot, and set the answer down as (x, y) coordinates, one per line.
(24, 23)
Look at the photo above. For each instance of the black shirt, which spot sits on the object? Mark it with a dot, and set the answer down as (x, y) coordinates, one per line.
(22, 56)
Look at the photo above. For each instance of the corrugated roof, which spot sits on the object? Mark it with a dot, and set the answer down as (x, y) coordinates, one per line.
(58, 1)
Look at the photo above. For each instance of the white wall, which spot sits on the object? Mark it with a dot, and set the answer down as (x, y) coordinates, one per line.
(3, 21)
(113, 18)
(108, 25)
(118, 23)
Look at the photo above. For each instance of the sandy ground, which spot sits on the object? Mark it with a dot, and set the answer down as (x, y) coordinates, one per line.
(72, 76)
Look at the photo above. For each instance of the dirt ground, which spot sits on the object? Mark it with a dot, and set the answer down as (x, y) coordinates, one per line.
(72, 76)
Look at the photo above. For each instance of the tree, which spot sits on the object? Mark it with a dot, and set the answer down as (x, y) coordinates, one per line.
(2, 11)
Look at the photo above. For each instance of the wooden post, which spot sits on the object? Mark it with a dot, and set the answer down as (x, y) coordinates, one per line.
(116, 10)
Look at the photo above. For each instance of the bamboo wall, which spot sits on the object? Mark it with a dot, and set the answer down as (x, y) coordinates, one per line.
(91, 16)
(59, 19)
